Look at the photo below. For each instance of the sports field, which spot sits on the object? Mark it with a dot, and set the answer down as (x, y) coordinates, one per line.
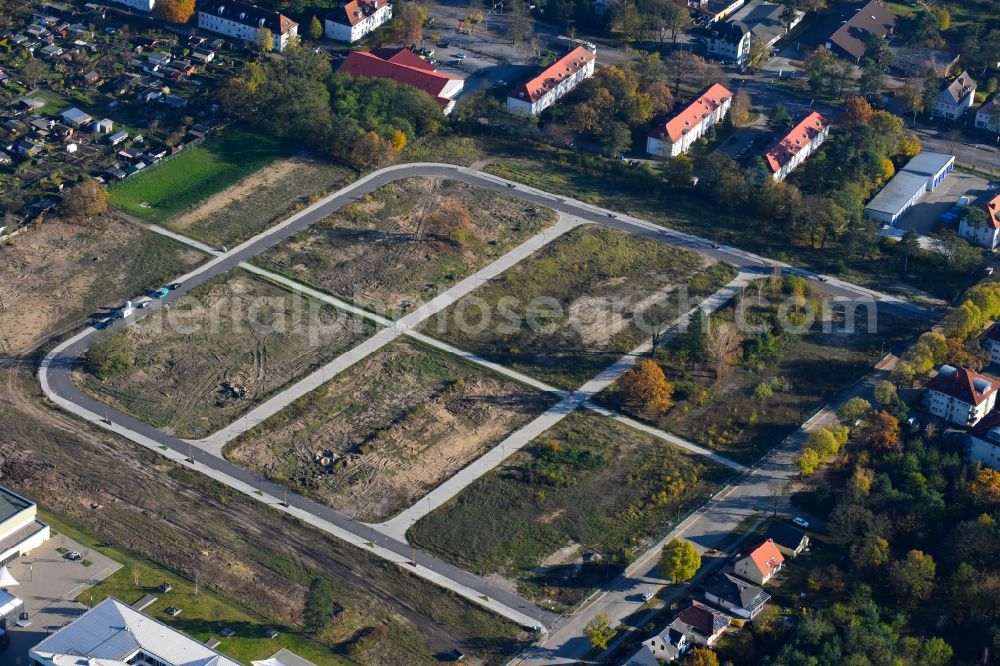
(196, 173)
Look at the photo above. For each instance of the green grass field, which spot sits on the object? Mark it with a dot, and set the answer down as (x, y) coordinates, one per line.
(196, 173)
(203, 615)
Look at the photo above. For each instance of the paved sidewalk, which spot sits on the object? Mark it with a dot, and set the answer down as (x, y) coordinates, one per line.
(398, 525)
(56, 379)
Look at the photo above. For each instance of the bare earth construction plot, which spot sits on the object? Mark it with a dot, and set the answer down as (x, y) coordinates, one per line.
(228, 345)
(587, 487)
(376, 438)
(406, 242)
(57, 273)
(569, 311)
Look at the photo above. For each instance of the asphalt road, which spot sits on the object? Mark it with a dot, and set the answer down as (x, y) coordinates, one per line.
(57, 367)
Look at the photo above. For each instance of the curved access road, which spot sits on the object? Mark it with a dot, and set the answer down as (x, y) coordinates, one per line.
(55, 373)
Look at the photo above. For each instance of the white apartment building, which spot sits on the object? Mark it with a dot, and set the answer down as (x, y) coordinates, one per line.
(141, 5)
(242, 21)
(792, 150)
(983, 442)
(988, 116)
(557, 80)
(678, 134)
(987, 236)
(956, 98)
(356, 19)
(991, 342)
(729, 41)
(960, 396)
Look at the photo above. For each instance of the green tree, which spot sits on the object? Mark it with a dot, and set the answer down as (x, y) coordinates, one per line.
(912, 579)
(853, 409)
(679, 171)
(600, 631)
(264, 39)
(808, 462)
(110, 356)
(679, 561)
(315, 28)
(935, 652)
(319, 606)
(885, 392)
(780, 119)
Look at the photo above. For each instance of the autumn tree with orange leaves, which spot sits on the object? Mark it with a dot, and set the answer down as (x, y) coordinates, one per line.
(646, 387)
(883, 431)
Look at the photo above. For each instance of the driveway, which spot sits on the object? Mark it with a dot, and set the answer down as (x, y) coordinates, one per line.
(925, 216)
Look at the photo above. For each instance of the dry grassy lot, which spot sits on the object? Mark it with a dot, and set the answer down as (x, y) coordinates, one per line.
(382, 434)
(588, 485)
(406, 242)
(195, 369)
(570, 310)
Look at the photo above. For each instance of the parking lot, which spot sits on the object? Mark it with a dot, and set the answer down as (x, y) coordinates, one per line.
(48, 585)
(924, 217)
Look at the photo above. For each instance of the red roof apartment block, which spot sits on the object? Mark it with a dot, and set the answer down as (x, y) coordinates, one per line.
(693, 113)
(551, 84)
(967, 386)
(404, 66)
(356, 11)
(793, 148)
(553, 75)
(690, 124)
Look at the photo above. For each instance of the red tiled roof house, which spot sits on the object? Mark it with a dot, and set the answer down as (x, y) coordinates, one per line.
(678, 134)
(355, 19)
(960, 396)
(794, 148)
(761, 564)
(534, 96)
(404, 66)
(987, 236)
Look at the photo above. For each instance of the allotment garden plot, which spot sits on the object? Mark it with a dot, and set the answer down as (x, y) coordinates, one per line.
(577, 305)
(204, 361)
(380, 435)
(406, 242)
(569, 509)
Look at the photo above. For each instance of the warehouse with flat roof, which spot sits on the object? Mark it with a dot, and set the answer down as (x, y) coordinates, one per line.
(921, 175)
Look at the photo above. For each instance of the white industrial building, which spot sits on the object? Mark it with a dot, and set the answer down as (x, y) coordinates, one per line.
(356, 19)
(113, 634)
(242, 21)
(534, 96)
(20, 529)
(960, 396)
(921, 175)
